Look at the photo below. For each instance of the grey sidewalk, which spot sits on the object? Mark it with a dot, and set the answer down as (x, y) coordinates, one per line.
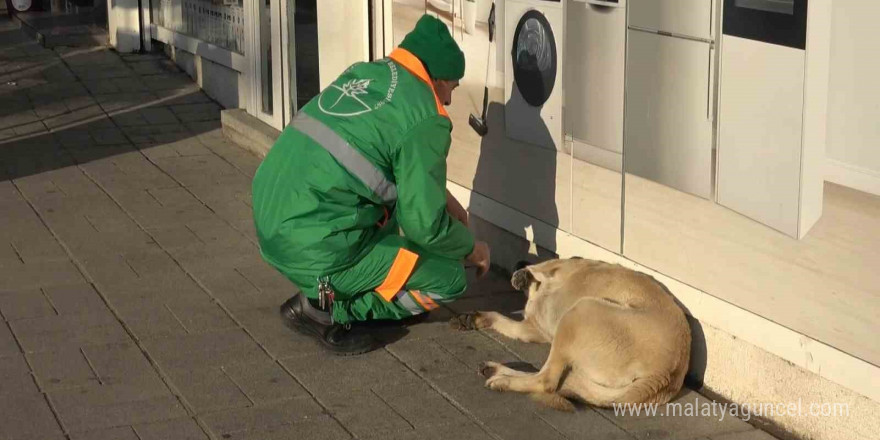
(135, 304)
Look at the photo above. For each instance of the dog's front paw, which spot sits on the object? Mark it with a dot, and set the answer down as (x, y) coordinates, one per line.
(498, 382)
(489, 368)
(471, 321)
(521, 279)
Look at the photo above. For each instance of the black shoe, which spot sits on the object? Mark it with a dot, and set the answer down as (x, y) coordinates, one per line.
(340, 339)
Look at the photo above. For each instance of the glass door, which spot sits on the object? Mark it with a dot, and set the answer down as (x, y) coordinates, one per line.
(267, 85)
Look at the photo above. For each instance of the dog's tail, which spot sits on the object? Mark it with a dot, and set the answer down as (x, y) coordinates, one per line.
(553, 400)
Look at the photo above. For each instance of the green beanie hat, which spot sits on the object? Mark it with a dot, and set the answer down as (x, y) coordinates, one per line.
(431, 42)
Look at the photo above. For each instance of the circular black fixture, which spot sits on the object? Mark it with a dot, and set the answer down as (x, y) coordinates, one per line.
(534, 58)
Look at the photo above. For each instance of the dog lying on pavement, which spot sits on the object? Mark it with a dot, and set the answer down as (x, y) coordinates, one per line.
(617, 336)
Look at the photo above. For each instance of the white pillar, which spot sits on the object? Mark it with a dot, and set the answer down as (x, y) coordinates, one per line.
(123, 25)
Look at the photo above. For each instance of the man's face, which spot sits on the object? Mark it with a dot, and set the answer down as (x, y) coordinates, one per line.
(444, 90)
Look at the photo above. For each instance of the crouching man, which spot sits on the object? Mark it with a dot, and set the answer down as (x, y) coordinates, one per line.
(360, 164)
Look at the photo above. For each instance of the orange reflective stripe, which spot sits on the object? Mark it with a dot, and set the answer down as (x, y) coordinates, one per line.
(400, 271)
(426, 302)
(414, 65)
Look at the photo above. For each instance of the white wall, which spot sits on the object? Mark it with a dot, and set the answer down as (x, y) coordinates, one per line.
(853, 148)
(343, 37)
(123, 25)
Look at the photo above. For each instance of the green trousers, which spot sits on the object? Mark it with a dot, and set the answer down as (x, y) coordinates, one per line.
(395, 280)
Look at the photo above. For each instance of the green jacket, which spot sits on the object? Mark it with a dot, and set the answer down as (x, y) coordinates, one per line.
(371, 144)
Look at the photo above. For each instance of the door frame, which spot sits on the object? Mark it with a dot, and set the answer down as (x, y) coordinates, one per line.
(277, 23)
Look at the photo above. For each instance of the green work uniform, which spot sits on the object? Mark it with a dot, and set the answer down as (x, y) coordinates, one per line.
(361, 162)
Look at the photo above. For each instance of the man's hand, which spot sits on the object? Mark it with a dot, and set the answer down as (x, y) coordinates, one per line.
(455, 209)
(480, 257)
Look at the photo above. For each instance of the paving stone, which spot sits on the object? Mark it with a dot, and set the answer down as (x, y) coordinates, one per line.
(680, 426)
(163, 82)
(756, 434)
(235, 292)
(174, 236)
(16, 375)
(266, 327)
(208, 388)
(150, 319)
(428, 358)
(120, 433)
(26, 416)
(264, 382)
(469, 391)
(573, 425)
(227, 423)
(264, 277)
(205, 170)
(459, 431)
(183, 95)
(118, 363)
(159, 115)
(363, 412)
(114, 102)
(350, 373)
(75, 299)
(176, 285)
(199, 316)
(474, 348)
(75, 117)
(30, 129)
(155, 66)
(84, 415)
(314, 428)
(24, 304)
(419, 404)
(8, 346)
(41, 247)
(225, 347)
(52, 333)
(63, 368)
(524, 427)
(178, 429)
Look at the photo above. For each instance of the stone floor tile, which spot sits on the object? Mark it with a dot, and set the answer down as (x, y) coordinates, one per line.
(208, 389)
(351, 373)
(756, 434)
(178, 429)
(142, 401)
(677, 424)
(31, 303)
(63, 368)
(264, 417)
(118, 363)
(26, 416)
(264, 382)
(314, 428)
(221, 348)
(75, 299)
(363, 412)
(119, 433)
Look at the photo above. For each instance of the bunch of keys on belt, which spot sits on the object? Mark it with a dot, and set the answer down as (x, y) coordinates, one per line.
(325, 294)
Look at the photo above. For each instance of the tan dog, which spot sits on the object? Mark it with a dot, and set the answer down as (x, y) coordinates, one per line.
(617, 336)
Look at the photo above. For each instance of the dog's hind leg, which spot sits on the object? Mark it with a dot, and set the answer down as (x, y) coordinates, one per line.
(546, 380)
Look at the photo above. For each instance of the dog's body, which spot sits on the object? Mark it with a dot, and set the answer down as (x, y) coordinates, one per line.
(617, 336)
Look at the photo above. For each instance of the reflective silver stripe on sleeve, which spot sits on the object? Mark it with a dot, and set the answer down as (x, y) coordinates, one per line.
(408, 303)
(434, 296)
(347, 155)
